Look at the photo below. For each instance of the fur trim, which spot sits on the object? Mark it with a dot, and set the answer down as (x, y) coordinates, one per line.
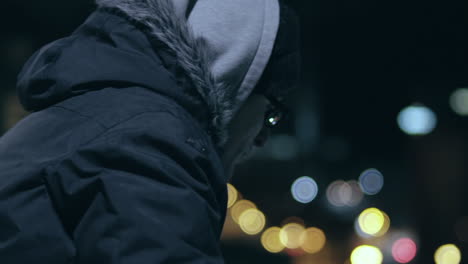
(192, 55)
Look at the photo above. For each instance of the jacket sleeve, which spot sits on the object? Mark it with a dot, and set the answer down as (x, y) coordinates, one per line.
(135, 195)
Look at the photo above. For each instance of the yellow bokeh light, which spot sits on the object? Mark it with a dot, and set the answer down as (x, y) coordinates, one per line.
(271, 240)
(238, 208)
(366, 254)
(252, 221)
(313, 240)
(447, 254)
(291, 234)
(371, 221)
(385, 226)
(232, 195)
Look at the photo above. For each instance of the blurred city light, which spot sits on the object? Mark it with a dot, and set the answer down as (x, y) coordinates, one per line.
(304, 189)
(373, 222)
(385, 226)
(356, 193)
(271, 240)
(447, 254)
(290, 235)
(459, 101)
(284, 147)
(404, 250)
(252, 221)
(232, 195)
(417, 120)
(359, 231)
(371, 181)
(340, 193)
(366, 254)
(313, 240)
(239, 207)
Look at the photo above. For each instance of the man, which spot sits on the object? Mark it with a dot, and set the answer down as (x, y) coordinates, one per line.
(138, 120)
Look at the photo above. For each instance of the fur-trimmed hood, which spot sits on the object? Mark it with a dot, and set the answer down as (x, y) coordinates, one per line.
(222, 45)
(221, 48)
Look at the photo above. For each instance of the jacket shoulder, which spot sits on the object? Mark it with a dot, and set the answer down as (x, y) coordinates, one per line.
(111, 106)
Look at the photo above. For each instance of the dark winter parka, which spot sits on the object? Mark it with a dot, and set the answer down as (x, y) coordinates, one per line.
(119, 161)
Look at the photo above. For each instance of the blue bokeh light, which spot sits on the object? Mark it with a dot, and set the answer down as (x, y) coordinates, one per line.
(371, 181)
(304, 189)
(417, 120)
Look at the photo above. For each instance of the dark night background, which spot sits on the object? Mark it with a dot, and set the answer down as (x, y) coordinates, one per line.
(363, 62)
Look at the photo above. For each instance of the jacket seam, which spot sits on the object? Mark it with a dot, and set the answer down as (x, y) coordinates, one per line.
(181, 112)
(55, 163)
(80, 114)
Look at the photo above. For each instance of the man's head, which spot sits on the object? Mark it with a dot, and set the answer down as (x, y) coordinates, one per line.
(250, 128)
(262, 110)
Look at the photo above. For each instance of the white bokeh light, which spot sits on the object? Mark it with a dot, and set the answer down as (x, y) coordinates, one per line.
(417, 120)
(459, 101)
(344, 193)
(304, 189)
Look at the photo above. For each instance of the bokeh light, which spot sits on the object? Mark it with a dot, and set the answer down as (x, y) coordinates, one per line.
(313, 240)
(340, 193)
(304, 189)
(385, 226)
(232, 195)
(366, 254)
(252, 221)
(373, 222)
(238, 208)
(356, 193)
(333, 193)
(417, 120)
(459, 101)
(359, 231)
(291, 235)
(404, 250)
(271, 240)
(371, 181)
(447, 254)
